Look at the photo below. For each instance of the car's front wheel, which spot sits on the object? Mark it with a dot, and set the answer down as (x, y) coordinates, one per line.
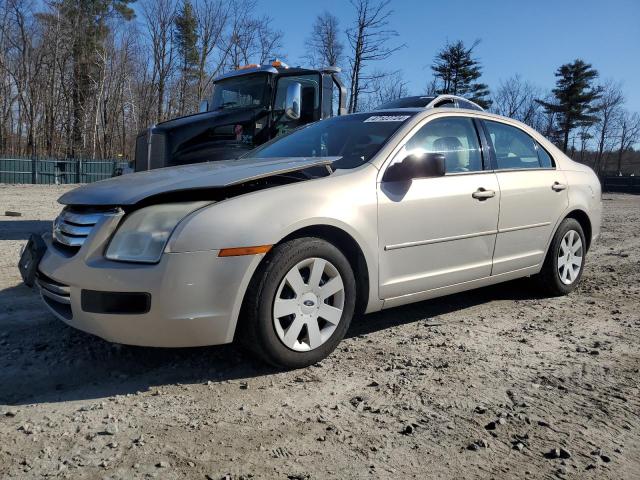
(299, 304)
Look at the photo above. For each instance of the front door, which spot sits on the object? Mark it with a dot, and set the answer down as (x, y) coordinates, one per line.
(533, 197)
(436, 232)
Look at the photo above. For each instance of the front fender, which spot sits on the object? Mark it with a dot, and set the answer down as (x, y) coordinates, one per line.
(345, 200)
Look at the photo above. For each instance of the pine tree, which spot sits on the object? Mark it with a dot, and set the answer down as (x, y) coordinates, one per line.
(575, 97)
(186, 39)
(87, 25)
(456, 71)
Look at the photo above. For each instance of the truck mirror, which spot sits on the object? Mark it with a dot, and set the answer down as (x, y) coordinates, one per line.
(293, 100)
(203, 107)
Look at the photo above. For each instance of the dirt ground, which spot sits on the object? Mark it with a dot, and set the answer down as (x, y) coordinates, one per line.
(482, 384)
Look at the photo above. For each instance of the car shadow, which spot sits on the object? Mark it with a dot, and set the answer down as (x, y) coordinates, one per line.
(520, 289)
(44, 360)
(21, 229)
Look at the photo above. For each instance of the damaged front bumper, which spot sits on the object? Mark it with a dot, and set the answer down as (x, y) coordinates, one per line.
(187, 299)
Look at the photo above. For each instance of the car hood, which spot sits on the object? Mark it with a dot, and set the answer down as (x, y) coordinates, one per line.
(134, 187)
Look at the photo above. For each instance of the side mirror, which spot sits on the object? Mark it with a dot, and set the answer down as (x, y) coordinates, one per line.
(203, 107)
(292, 101)
(420, 165)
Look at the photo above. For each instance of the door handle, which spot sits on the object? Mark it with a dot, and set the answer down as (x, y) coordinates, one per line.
(483, 194)
(558, 187)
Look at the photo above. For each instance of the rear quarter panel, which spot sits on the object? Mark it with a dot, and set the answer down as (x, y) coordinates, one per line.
(585, 194)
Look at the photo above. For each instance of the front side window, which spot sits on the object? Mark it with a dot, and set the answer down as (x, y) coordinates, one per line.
(355, 138)
(454, 137)
(513, 148)
(240, 92)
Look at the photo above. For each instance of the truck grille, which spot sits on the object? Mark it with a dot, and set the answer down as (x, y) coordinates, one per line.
(72, 227)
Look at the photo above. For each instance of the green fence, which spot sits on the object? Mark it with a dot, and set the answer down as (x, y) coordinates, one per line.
(56, 172)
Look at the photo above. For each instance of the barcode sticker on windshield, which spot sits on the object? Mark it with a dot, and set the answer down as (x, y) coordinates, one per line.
(387, 118)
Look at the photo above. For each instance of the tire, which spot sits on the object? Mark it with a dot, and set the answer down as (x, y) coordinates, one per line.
(559, 274)
(274, 310)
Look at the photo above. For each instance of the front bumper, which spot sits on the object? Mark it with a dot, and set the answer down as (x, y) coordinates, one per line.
(195, 296)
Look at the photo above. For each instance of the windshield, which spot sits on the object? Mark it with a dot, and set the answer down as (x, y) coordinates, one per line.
(239, 92)
(356, 138)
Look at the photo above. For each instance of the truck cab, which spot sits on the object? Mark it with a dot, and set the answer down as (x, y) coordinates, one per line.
(248, 107)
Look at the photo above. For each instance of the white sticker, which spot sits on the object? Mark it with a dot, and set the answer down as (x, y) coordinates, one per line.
(387, 118)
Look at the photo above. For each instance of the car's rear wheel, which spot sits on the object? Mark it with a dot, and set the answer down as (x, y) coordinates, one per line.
(299, 304)
(564, 264)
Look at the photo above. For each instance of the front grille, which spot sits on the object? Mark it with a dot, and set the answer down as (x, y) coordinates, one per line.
(72, 227)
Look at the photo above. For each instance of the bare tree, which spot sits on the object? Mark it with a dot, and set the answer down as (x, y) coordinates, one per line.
(212, 18)
(629, 125)
(584, 135)
(324, 47)
(370, 39)
(609, 107)
(432, 87)
(383, 87)
(250, 39)
(62, 96)
(159, 18)
(515, 98)
(269, 41)
(24, 66)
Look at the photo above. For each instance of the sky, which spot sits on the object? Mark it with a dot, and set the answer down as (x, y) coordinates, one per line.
(526, 37)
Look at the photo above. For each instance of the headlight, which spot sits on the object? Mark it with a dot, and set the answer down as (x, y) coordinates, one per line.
(144, 233)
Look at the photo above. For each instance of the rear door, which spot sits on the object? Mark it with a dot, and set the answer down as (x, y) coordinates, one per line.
(533, 195)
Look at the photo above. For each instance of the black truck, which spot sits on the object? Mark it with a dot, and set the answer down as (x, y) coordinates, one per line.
(248, 107)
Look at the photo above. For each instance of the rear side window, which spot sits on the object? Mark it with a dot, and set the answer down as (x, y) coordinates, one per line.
(513, 148)
(545, 159)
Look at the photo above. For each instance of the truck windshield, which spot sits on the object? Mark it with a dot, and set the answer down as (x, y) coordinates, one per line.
(240, 92)
(356, 138)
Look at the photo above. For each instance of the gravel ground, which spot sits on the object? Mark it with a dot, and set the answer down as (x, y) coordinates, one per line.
(494, 383)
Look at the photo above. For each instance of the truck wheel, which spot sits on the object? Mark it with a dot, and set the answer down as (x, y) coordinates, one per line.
(299, 304)
(563, 266)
